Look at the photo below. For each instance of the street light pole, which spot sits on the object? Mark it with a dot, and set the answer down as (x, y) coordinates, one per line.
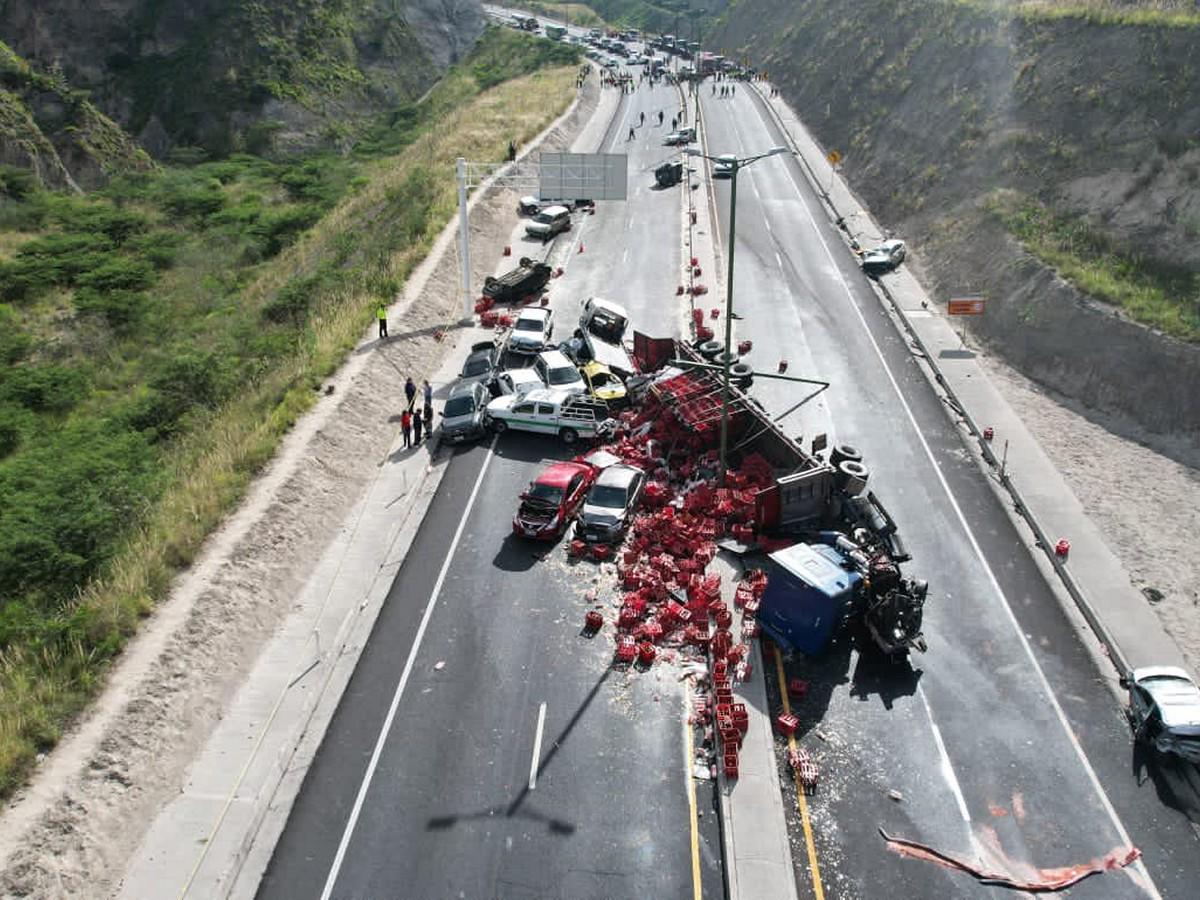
(737, 164)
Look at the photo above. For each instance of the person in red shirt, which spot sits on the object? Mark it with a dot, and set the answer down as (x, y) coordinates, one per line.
(406, 428)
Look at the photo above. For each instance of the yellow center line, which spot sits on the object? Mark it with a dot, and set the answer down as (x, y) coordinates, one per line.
(801, 800)
(689, 761)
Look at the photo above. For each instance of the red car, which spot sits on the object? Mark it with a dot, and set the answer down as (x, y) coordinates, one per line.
(550, 503)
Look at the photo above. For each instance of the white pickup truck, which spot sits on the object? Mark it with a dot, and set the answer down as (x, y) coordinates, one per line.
(571, 416)
(602, 326)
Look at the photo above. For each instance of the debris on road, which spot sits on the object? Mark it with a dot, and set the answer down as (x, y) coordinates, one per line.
(1016, 875)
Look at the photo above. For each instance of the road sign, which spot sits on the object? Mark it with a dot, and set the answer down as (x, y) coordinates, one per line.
(577, 176)
(834, 157)
(965, 306)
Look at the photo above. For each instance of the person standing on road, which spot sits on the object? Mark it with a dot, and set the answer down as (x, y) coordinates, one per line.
(406, 428)
(416, 426)
(381, 316)
(674, 124)
(410, 392)
(631, 133)
(428, 420)
(427, 394)
(660, 117)
(642, 120)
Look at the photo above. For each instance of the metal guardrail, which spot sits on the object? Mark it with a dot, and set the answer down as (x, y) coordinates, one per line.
(1068, 581)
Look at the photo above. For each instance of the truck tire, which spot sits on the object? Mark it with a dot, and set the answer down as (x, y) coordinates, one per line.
(709, 349)
(742, 374)
(569, 435)
(720, 358)
(852, 477)
(499, 426)
(525, 263)
(843, 452)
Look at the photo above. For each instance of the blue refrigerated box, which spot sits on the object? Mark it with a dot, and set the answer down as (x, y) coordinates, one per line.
(808, 592)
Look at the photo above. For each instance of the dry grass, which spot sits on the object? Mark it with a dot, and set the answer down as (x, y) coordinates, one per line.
(212, 467)
(11, 241)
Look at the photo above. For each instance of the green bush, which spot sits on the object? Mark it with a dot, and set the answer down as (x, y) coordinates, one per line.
(56, 259)
(119, 274)
(47, 388)
(17, 184)
(14, 421)
(67, 499)
(88, 219)
(159, 248)
(122, 309)
(290, 306)
(14, 343)
(277, 229)
(188, 199)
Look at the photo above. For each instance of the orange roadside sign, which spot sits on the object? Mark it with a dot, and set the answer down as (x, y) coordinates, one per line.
(834, 157)
(965, 306)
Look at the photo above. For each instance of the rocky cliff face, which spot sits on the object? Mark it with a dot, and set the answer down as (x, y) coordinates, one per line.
(56, 132)
(234, 74)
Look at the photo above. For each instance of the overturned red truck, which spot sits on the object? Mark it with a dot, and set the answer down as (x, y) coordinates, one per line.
(833, 550)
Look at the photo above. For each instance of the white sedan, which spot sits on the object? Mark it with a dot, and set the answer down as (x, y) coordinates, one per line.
(532, 331)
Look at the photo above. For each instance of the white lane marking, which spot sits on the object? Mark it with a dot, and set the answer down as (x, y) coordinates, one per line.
(1151, 889)
(779, 260)
(625, 255)
(537, 747)
(348, 832)
(947, 767)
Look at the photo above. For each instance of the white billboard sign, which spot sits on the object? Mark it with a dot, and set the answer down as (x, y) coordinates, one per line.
(579, 176)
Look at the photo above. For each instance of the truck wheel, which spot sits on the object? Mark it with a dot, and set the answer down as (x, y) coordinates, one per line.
(525, 263)
(709, 349)
(720, 358)
(843, 452)
(568, 435)
(742, 375)
(499, 426)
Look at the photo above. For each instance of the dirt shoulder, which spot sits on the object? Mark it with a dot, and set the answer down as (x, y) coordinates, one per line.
(1146, 505)
(71, 831)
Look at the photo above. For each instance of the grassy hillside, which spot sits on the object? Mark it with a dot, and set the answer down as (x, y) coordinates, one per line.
(235, 75)
(159, 336)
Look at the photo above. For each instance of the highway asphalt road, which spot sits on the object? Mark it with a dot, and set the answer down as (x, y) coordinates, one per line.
(1001, 740)
(524, 766)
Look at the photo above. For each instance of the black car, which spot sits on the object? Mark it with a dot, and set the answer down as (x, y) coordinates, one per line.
(482, 364)
(884, 258)
(610, 504)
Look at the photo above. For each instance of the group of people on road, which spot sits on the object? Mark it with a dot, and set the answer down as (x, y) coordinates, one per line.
(726, 90)
(412, 420)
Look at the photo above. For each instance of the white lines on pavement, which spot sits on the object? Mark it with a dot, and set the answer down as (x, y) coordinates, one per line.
(779, 260)
(340, 856)
(1094, 780)
(537, 747)
(625, 255)
(947, 768)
